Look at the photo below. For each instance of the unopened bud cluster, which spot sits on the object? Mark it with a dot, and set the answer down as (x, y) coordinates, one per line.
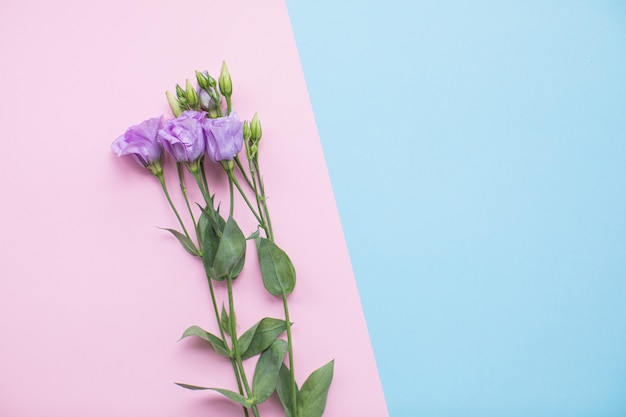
(253, 135)
(207, 97)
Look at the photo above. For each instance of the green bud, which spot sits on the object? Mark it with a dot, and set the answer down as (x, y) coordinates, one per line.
(203, 81)
(255, 129)
(184, 105)
(246, 130)
(174, 104)
(212, 82)
(192, 95)
(214, 111)
(226, 85)
(180, 93)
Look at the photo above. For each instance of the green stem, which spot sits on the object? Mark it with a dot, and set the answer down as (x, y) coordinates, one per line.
(204, 179)
(243, 194)
(232, 360)
(233, 335)
(203, 190)
(263, 200)
(183, 189)
(291, 361)
(256, 193)
(232, 194)
(229, 105)
(243, 173)
(169, 200)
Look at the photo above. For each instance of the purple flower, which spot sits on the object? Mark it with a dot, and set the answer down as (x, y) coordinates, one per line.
(183, 137)
(224, 137)
(140, 142)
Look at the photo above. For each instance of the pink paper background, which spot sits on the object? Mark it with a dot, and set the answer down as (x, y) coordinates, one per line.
(93, 297)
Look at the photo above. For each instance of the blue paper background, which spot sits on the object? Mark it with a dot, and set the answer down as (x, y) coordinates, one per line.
(478, 156)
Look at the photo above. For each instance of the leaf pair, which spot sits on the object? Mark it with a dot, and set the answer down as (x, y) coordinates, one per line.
(254, 341)
(264, 379)
(223, 246)
(311, 398)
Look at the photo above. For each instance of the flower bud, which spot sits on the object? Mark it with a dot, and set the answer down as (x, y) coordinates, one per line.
(214, 110)
(211, 81)
(184, 105)
(253, 150)
(203, 81)
(226, 85)
(174, 104)
(192, 96)
(180, 93)
(255, 129)
(246, 130)
(204, 99)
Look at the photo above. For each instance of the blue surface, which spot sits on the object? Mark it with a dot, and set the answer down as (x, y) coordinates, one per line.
(478, 156)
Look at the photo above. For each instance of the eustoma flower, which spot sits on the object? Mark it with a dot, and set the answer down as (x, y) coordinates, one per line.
(224, 137)
(140, 141)
(183, 137)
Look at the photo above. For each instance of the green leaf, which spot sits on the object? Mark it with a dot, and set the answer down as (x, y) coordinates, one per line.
(210, 232)
(266, 371)
(213, 217)
(225, 321)
(231, 252)
(216, 343)
(202, 224)
(184, 240)
(284, 390)
(254, 234)
(236, 397)
(279, 275)
(191, 387)
(312, 397)
(260, 336)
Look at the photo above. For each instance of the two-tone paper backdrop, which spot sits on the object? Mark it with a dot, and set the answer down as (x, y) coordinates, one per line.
(93, 296)
(478, 155)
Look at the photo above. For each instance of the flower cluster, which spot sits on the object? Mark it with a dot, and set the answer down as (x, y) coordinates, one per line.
(186, 138)
(203, 127)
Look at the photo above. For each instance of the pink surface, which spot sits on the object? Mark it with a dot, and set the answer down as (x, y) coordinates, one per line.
(93, 297)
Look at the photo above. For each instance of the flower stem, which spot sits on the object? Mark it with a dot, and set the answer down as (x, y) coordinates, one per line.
(243, 173)
(204, 190)
(233, 335)
(263, 199)
(232, 360)
(229, 105)
(255, 188)
(232, 177)
(183, 189)
(169, 200)
(204, 179)
(290, 349)
(232, 194)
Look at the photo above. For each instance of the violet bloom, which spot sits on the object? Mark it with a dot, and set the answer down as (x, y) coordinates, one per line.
(183, 137)
(140, 141)
(224, 137)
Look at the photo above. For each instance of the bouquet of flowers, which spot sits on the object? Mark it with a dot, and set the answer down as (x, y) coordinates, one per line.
(206, 130)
